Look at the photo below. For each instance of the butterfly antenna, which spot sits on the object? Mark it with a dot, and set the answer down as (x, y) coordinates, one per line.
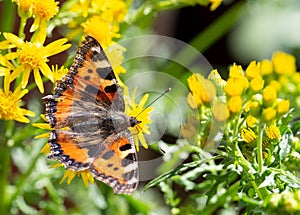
(151, 103)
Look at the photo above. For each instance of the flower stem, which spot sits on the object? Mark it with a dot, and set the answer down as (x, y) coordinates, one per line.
(259, 149)
(4, 168)
(22, 26)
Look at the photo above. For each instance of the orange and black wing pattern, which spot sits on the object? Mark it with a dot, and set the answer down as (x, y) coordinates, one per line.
(80, 112)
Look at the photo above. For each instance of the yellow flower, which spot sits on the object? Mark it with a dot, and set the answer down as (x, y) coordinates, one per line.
(106, 34)
(269, 94)
(34, 57)
(141, 114)
(236, 86)
(220, 111)
(284, 63)
(257, 83)
(252, 107)
(234, 104)
(248, 135)
(85, 175)
(253, 70)
(268, 114)
(283, 106)
(273, 132)
(194, 102)
(81, 7)
(58, 73)
(209, 91)
(25, 5)
(236, 71)
(113, 10)
(214, 4)
(115, 56)
(266, 67)
(10, 103)
(202, 90)
(190, 127)
(251, 121)
(43, 10)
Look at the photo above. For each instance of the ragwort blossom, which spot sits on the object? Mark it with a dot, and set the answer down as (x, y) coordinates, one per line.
(11, 102)
(43, 10)
(105, 14)
(142, 114)
(33, 57)
(251, 102)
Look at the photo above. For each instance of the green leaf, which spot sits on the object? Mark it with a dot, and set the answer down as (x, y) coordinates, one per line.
(167, 175)
(285, 145)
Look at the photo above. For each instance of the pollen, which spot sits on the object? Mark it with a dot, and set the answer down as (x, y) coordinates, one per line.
(31, 56)
(45, 9)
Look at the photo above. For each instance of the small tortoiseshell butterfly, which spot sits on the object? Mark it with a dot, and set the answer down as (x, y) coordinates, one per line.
(91, 132)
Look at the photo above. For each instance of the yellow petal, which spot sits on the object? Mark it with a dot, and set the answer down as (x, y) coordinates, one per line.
(47, 72)
(45, 149)
(27, 112)
(84, 178)
(17, 71)
(22, 119)
(38, 80)
(143, 100)
(45, 135)
(35, 24)
(142, 140)
(13, 39)
(56, 47)
(25, 77)
(45, 126)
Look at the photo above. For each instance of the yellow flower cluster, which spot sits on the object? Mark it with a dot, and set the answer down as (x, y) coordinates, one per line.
(19, 58)
(250, 98)
(98, 18)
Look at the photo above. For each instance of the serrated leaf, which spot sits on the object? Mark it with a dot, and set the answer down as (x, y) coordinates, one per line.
(269, 180)
(285, 145)
(291, 180)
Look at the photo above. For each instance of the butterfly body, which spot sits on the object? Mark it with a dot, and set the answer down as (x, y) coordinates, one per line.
(91, 132)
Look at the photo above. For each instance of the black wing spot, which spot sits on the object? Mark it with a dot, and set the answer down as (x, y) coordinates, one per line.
(107, 155)
(87, 77)
(125, 147)
(111, 89)
(105, 73)
(129, 159)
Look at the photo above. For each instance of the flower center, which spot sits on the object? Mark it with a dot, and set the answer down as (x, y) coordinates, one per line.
(31, 56)
(45, 9)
